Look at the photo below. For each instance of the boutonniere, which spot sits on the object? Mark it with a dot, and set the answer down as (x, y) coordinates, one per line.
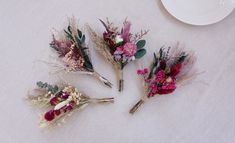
(169, 69)
(62, 101)
(74, 53)
(119, 46)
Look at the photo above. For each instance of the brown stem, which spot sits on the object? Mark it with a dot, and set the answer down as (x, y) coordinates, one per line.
(136, 106)
(102, 79)
(121, 81)
(102, 100)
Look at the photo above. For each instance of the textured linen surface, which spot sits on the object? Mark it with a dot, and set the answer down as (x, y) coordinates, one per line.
(200, 112)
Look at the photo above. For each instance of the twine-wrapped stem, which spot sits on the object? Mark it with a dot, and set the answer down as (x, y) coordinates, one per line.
(102, 79)
(136, 106)
(102, 100)
(120, 81)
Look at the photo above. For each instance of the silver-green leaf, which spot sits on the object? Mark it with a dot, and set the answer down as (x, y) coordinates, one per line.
(140, 44)
(140, 53)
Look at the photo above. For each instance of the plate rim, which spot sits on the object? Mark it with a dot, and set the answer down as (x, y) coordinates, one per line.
(197, 24)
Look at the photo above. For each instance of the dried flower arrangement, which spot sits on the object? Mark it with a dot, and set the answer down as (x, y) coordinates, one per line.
(62, 101)
(169, 69)
(74, 52)
(119, 47)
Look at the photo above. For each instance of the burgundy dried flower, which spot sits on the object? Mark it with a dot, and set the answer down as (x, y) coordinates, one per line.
(65, 95)
(175, 69)
(54, 101)
(62, 47)
(57, 112)
(49, 115)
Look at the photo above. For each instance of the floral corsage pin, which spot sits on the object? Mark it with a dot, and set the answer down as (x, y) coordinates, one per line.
(74, 53)
(169, 69)
(119, 47)
(62, 101)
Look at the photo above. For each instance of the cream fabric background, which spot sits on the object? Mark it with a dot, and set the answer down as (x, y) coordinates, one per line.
(201, 112)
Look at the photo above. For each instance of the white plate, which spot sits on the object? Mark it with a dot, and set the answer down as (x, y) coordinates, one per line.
(199, 12)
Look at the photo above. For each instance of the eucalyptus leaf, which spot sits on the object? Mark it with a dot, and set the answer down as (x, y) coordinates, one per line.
(140, 53)
(79, 33)
(83, 39)
(47, 86)
(161, 52)
(155, 57)
(50, 87)
(140, 44)
(78, 41)
(40, 84)
(69, 29)
(56, 88)
(88, 65)
(69, 35)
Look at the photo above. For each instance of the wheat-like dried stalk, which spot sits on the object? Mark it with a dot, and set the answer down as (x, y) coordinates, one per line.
(101, 47)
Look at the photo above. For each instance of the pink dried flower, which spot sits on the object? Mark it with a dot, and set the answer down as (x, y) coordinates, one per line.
(154, 90)
(129, 49)
(148, 80)
(153, 85)
(150, 94)
(167, 88)
(62, 47)
(126, 31)
(160, 76)
(142, 72)
(146, 70)
(162, 84)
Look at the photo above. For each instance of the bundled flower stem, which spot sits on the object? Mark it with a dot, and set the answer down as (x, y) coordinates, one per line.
(168, 70)
(74, 52)
(62, 101)
(119, 47)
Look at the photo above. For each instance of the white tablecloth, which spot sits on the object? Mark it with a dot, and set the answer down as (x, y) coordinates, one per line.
(201, 112)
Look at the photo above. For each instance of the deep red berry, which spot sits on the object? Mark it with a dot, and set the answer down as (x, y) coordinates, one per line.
(49, 115)
(54, 101)
(57, 112)
(165, 91)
